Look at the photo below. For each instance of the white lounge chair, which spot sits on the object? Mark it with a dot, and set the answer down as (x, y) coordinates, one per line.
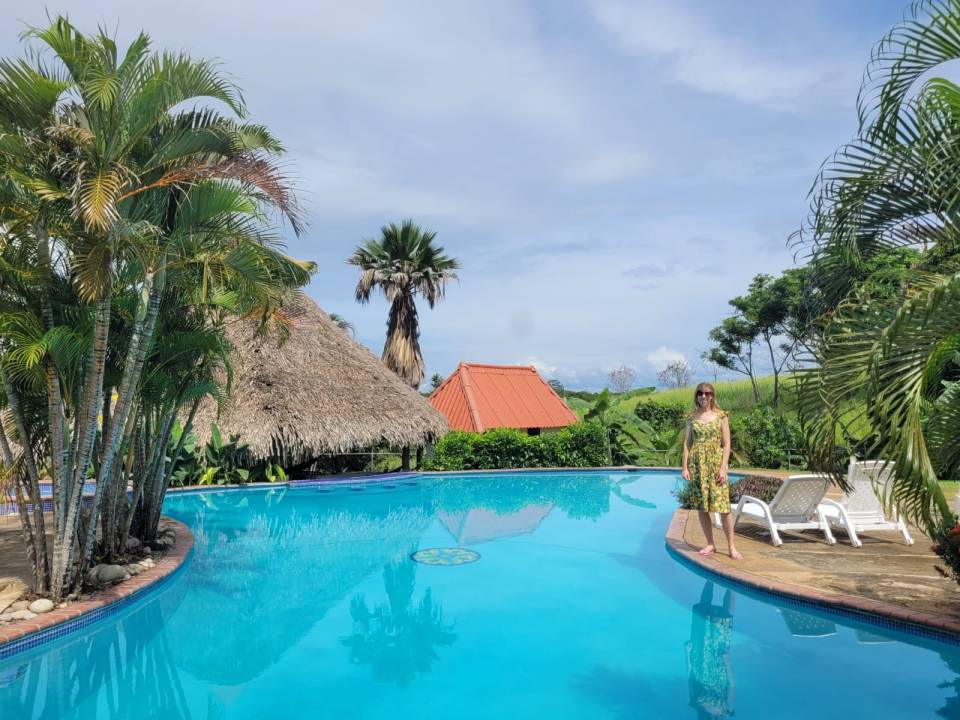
(861, 508)
(796, 506)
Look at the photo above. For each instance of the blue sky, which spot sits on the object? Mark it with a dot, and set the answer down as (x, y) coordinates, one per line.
(608, 172)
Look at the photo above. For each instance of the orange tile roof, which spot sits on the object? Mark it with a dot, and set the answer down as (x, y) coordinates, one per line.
(479, 397)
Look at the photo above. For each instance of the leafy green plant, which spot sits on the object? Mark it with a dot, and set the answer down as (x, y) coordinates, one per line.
(578, 445)
(764, 437)
(661, 416)
(274, 473)
(189, 467)
(224, 460)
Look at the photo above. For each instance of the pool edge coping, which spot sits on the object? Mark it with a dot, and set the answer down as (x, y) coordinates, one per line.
(46, 627)
(855, 606)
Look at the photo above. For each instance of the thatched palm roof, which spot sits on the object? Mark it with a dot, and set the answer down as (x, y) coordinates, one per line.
(320, 392)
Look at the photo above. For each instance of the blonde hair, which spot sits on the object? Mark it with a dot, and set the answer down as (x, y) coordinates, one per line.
(707, 387)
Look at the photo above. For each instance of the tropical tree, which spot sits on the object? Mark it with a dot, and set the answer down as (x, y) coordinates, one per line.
(342, 323)
(436, 380)
(123, 217)
(887, 364)
(675, 374)
(403, 264)
(621, 379)
(398, 639)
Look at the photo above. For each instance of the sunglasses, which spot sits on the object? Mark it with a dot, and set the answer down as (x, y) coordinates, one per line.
(701, 393)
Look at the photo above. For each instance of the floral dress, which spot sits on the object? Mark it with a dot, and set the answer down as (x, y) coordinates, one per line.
(706, 457)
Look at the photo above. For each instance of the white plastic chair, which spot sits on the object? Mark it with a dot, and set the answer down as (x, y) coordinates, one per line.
(861, 508)
(796, 506)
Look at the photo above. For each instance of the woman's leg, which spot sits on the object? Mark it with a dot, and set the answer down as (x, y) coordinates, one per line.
(707, 526)
(728, 529)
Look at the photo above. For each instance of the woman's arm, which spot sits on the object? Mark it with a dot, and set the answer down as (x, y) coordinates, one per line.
(722, 475)
(686, 450)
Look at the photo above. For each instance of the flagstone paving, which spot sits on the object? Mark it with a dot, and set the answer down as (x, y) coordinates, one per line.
(884, 569)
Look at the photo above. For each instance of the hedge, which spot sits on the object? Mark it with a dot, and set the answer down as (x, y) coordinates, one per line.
(579, 445)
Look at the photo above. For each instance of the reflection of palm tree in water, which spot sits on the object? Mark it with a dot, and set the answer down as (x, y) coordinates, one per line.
(397, 639)
(708, 656)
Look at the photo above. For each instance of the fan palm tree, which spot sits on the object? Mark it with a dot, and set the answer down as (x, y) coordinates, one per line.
(886, 371)
(403, 264)
(342, 323)
(398, 639)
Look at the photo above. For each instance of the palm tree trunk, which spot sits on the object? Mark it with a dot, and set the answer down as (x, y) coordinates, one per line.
(405, 459)
(401, 352)
(145, 486)
(56, 420)
(140, 340)
(42, 565)
(85, 429)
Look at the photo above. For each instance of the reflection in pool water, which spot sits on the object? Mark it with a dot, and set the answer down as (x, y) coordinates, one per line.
(301, 604)
(708, 655)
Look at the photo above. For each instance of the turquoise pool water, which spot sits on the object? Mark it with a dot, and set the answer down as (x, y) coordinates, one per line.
(306, 604)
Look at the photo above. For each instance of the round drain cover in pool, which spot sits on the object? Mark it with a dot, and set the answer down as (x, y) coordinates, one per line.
(445, 556)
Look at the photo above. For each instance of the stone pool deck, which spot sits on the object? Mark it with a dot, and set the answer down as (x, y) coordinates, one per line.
(884, 577)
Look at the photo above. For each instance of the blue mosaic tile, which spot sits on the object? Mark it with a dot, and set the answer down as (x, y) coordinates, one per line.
(445, 556)
(48, 635)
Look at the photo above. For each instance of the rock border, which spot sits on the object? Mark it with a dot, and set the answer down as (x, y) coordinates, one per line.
(855, 606)
(133, 586)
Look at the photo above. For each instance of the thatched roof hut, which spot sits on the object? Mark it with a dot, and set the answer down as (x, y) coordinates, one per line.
(321, 392)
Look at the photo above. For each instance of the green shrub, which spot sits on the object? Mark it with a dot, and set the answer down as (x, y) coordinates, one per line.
(758, 486)
(668, 416)
(504, 448)
(579, 445)
(454, 451)
(947, 546)
(764, 437)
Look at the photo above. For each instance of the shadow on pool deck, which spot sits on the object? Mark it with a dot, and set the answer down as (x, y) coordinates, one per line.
(13, 558)
(883, 569)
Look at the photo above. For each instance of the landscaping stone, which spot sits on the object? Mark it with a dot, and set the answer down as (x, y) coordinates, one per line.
(106, 574)
(6, 617)
(23, 615)
(10, 591)
(132, 544)
(41, 606)
(20, 605)
(134, 569)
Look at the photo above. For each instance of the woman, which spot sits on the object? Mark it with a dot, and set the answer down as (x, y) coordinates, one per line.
(706, 453)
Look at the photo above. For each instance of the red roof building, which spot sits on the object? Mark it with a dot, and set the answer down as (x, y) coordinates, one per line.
(480, 397)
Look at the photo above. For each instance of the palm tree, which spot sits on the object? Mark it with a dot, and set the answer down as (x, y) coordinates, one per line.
(885, 381)
(342, 323)
(403, 263)
(116, 209)
(398, 639)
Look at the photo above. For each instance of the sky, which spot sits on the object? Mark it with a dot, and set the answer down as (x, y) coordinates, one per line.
(609, 173)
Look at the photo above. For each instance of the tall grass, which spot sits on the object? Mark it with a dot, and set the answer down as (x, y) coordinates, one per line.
(732, 395)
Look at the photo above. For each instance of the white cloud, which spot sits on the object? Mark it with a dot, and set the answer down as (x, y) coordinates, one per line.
(705, 58)
(663, 356)
(610, 165)
(551, 372)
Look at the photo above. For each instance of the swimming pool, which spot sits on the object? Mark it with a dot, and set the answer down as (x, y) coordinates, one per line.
(536, 595)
